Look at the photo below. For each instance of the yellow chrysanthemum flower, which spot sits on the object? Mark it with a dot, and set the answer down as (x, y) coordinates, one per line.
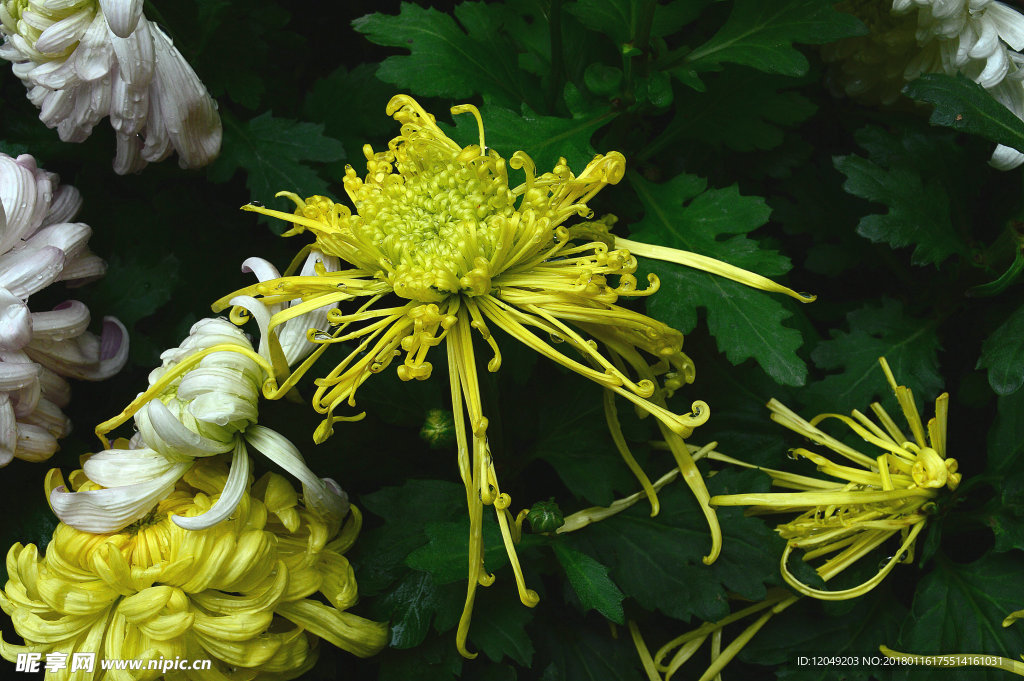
(242, 593)
(441, 246)
(864, 505)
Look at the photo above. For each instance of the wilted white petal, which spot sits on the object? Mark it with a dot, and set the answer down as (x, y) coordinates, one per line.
(67, 320)
(34, 443)
(84, 357)
(122, 15)
(326, 500)
(109, 510)
(230, 496)
(189, 113)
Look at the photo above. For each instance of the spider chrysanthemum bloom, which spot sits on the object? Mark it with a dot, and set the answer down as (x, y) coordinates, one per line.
(868, 498)
(442, 247)
(980, 39)
(84, 60)
(254, 594)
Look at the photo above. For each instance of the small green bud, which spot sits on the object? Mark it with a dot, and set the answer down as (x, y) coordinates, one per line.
(545, 516)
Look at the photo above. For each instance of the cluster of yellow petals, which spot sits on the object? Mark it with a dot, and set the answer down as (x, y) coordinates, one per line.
(253, 594)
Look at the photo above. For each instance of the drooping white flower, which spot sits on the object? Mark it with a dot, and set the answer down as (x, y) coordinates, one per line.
(202, 401)
(83, 60)
(38, 247)
(980, 39)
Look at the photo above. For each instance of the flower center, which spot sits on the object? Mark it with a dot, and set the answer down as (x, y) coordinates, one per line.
(438, 228)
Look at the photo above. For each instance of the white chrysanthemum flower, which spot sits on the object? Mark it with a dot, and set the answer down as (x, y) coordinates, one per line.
(980, 39)
(201, 402)
(38, 247)
(84, 59)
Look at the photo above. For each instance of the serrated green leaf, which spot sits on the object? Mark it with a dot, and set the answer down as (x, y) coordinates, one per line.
(910, 346)
(960, 608)
(134, 287)
(581, 654)
(963, 104)
(435, 660)
(658, 562)
(446, 59)
(274, 153)
(1003, 355)
(544, 138)
(761, 34)
(746, 323)
(901, 175)
(591, 582)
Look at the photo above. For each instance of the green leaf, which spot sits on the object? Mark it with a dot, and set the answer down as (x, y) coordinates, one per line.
(1006, 439)
(380, 553)
(274, 153)
(499, 626)
(446, 59)
(745, 322)
(960, 608)
(137, 286)
(591, 582)
(962, 104)
(581, 654)
(1003, 355)
(910, 346)
(619, 19)
(544, 138)
(572, 435)
(761, 34)
(436, 660)
(904, 173)
(412, 605)
(658, 562)
(445, 555)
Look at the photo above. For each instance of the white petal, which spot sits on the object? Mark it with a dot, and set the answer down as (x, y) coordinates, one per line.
(84, 357)
(230, 496)
(995, 70)
(67, 320)
(67, 201)
(94, 55)
(56, 106)
(135, 56)
(18, 196)
(293, 333)
(128, 158)
(987, 42)
(70, 237)
(122, 467)
(122, 15)
(83, 269)
(188, 113)
(1006, 158)
(14, 375)
(223, 409)
(162, 431)
(323, 498)
(64, 33)
(8, 430)
(54, 388)
(1009, 22)
(49, 416)
(216, 379)
(26, 272)
(34, 443)
(109, 510)
(15, 322)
